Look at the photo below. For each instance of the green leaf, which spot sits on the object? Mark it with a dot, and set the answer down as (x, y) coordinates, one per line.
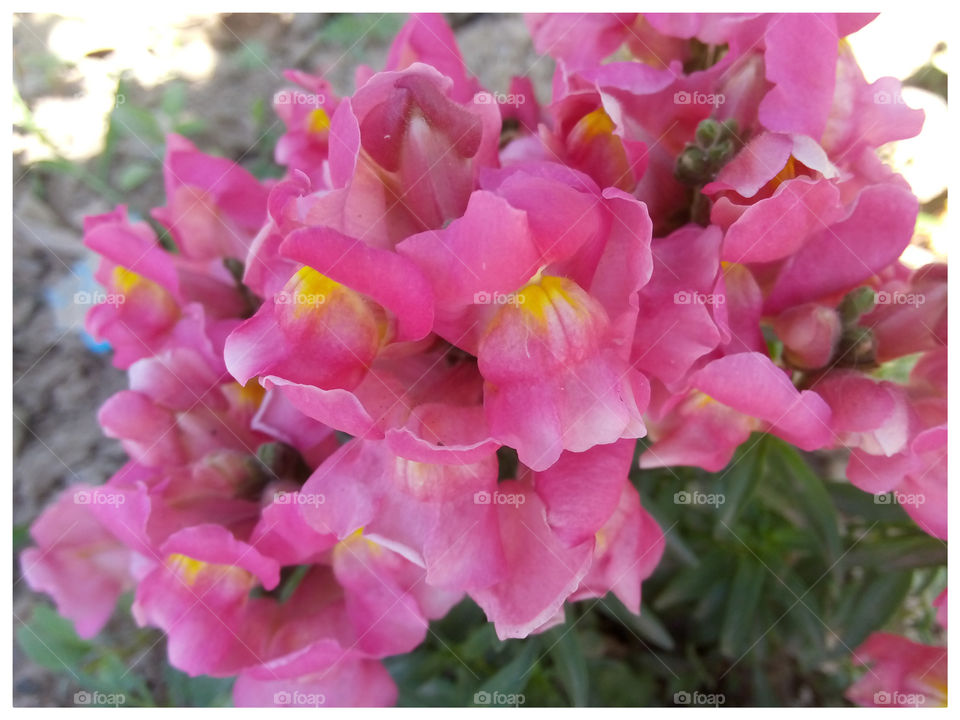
(512, 678)
(898, 553)
(742, 601)
(135, 174)
(873, 603)
(50, 641)
(174, 98)
(647, 625)
(808, 494)
(21, 537)
(854, 502)
(741, 480)
(185, 691)
(565, 650)
(193, 126)
(137, 122)
(692, 583)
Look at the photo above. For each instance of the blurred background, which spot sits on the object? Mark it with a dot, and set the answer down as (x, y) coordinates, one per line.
(94, 97)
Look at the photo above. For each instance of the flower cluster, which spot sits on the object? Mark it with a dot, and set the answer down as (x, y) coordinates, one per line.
(416, 367)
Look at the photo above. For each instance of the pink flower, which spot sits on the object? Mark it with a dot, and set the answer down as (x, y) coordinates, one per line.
(82, 566)
(901, 673)
(306, 111)
(551, 312)
(215, 207)
(730, 398)
(810, 334)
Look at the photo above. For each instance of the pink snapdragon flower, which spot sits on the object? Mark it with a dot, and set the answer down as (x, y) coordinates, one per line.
(77, 562)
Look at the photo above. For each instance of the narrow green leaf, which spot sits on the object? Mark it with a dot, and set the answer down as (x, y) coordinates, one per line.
(134, 175)
(740, 482)
(174, 98)
(877, 601)
(565, 650)
(742, 600)
(691, 583)
(808, 493)
(647, 625)
(137, 122)
(854, 502)
(512, 678)
(898, 553)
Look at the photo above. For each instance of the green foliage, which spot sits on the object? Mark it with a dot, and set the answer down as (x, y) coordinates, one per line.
(760, 600)
(356, 31)
(114, 668)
